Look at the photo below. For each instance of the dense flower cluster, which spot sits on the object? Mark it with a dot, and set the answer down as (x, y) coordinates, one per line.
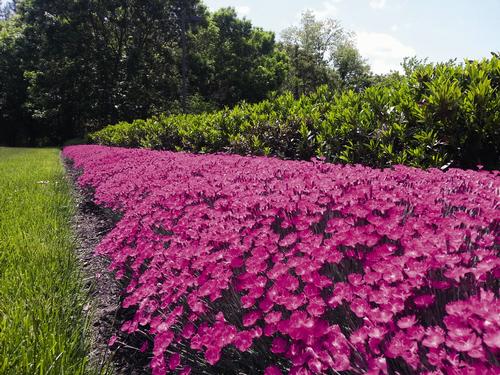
(309, 267)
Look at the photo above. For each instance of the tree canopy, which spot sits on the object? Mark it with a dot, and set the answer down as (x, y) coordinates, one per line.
(323, 52)
(70, 67)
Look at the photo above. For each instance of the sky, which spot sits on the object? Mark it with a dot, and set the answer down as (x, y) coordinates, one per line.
(389, 30)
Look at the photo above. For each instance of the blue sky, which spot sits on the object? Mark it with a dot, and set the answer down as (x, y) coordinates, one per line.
(388, 30)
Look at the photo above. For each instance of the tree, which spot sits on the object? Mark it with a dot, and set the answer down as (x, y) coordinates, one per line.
(15, 123)
(142, 40)
(94, 62)
(234, 61)
(316, 38)
(322, 52)
(352, 69)
(70, 67)
(58, 68)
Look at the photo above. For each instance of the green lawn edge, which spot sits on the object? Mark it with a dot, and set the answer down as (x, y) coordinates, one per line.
(43, 329)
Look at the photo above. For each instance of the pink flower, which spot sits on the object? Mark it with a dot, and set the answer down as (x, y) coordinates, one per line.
(212, 355)
(188, 331)
(247, 301)
(315, 365)
(270, 329)
(174, 361)
(492, 339)
(112, 340)
(378, 365)
(243, 340)
(237, 262)
(415, 333)
(465, 343)
(407, 322)
(359, 307)
(299, 370)
(265, 305)
(359, 336)
(434, 336)
(279, 345)
(436, 357)
(250, 318)
(158, 366)
(377, 332)
(287, 282)
(200, 240)
(162, 342)
(293, 302)
(316, 307)
(272, 370)
(341, 363)
(380, 315)
(288, 240)
(273, 317)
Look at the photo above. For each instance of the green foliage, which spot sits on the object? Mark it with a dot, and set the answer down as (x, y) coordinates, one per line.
(322, 52)
(92, 62)
(15, 124)
(70, 67)
(353, 71)
(436, 116)
(234, 61)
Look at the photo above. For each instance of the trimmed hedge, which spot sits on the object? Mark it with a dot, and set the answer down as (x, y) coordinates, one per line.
(434, 117)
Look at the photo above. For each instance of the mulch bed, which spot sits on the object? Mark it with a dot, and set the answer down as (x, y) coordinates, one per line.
(90, 224)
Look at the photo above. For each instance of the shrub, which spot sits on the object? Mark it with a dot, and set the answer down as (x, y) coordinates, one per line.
(436, 116)
(235, 264)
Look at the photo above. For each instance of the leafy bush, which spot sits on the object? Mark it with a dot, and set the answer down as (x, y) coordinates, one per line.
(436, 116)
(299, 267)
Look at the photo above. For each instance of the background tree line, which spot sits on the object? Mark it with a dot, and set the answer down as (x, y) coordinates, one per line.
(71, 67)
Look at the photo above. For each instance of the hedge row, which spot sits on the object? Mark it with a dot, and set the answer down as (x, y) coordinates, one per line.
(436, 116)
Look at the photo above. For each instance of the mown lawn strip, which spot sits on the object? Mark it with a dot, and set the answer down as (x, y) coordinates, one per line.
(42, 325)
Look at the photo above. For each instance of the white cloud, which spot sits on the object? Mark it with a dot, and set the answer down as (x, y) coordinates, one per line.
(242, 10)
(377, 4)
(395, 28)
(328, 10)
(383, 51)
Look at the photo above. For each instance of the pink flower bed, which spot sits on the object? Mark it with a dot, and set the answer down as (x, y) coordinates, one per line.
(302, 267)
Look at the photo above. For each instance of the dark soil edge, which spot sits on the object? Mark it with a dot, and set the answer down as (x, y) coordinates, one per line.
(90, 224)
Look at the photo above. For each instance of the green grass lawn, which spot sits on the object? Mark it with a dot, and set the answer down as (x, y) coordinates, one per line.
(42, 327)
